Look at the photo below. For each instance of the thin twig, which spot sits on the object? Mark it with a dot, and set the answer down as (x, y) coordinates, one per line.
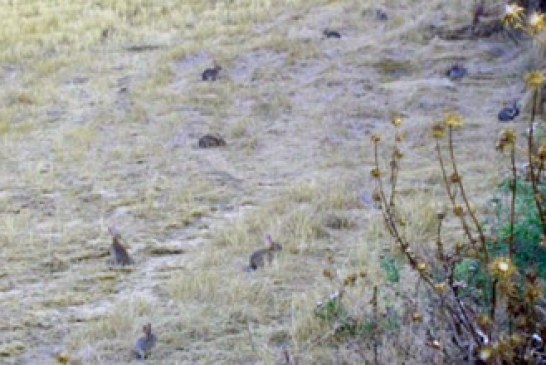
(451, 194)
(512, 204)
(465, 198)
(375, 328)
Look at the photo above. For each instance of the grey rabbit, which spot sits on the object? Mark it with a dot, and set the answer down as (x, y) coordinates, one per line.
(145, 344)
(118, 252)
(259, 257)
(509, 113)
(328, 33)
(456, 72)
(211, 74)
(209, 140)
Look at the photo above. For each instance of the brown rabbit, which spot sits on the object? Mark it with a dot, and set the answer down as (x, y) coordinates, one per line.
(211, 74)
(118, 252)
(258, 258)
(328, 33)
(210, 140)
(145, 344)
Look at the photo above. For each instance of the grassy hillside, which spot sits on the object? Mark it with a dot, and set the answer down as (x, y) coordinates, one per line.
(101, 108)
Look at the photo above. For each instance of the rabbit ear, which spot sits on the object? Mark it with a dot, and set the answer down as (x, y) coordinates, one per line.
(268, 241)
(113, 231)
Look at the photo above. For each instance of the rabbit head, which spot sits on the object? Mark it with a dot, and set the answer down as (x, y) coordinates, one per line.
(147, 329)
(114, 232)
(270, 244)
(216, 65)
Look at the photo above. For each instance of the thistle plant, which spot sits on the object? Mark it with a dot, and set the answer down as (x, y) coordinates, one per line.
(503, 326)
(532, 25)
(498, 318)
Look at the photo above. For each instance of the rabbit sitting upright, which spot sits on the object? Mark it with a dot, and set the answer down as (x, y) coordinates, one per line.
(145, 344)
(118, 252)
(259, 257)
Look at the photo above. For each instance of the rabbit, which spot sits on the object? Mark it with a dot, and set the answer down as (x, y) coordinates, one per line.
(211, 74)
(209, 140)
(509, 113)
(381, 14)
(118, 253)
(331, 33)
(145, 344)
(258, 257)
(456, 72)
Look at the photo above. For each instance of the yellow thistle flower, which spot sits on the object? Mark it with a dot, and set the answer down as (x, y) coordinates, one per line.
(350, 280)
(63, 358)
(397, 121)
(512, 15)
(376, 138)
(458, 210)
(535, 23)
(422, 267)
(376, 173)
(327, 273)
(535, 79)
(454, 178)
(453, 120)
(417, 317)
(485, 321)
(440, 288)
(486, 354)
(506, 139)
(397, 154)
(438, 131)
(502, 268)
(533, 293)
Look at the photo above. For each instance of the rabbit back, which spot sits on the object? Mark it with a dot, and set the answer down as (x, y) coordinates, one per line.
(260, 257)
(208, 141)
(331, 34)
(509, 113)
(257, 258)
(119, 254)
(210, 74)
(144, 346)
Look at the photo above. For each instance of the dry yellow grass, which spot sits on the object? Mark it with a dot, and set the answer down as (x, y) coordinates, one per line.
(100, 111)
